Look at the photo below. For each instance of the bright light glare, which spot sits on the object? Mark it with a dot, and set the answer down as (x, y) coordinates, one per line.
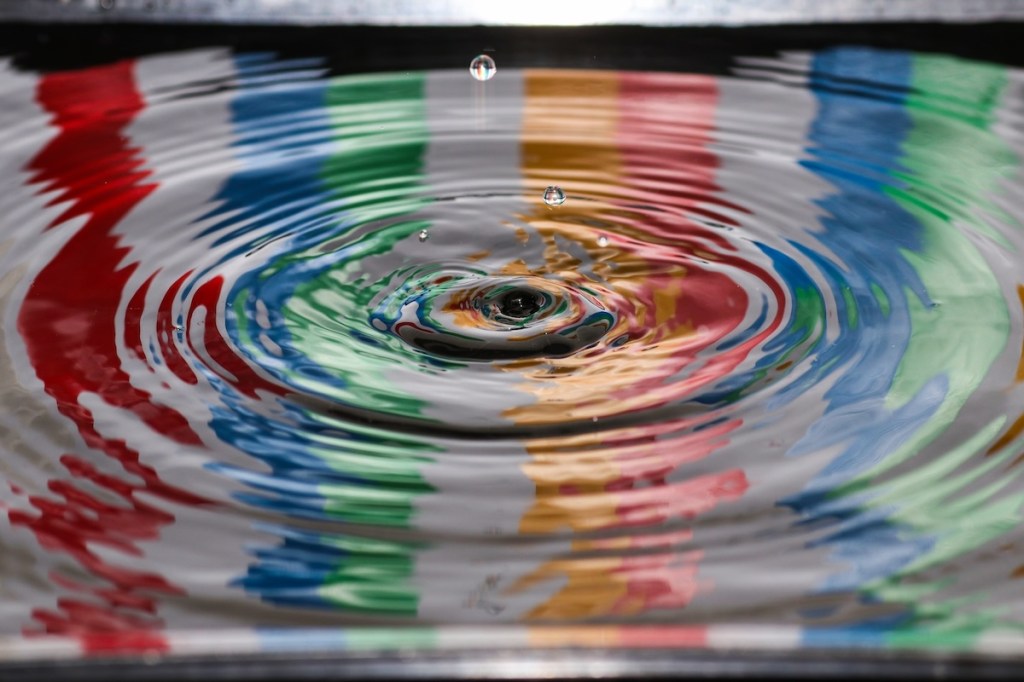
(543, 12)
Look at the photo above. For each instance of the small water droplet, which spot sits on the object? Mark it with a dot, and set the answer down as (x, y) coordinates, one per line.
(482, 68)
(554, 196)
(424, 235)
(602, 241)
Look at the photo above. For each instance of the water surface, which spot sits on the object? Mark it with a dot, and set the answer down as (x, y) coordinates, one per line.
(286, 349)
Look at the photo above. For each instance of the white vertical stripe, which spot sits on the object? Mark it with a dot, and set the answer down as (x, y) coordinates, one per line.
(481, 489)
(754, 637)
(42, 649)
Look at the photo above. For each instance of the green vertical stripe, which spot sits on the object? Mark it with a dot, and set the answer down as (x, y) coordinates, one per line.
(377, 175)
(955, 164)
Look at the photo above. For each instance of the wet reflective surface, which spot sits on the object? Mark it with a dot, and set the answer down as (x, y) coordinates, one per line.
(282, 348)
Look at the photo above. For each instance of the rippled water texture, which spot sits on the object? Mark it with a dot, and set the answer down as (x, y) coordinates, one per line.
(282, 348)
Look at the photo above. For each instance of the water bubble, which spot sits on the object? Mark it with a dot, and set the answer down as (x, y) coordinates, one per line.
(482, 68)
(602, 241)
(424, 235)
(554, 196)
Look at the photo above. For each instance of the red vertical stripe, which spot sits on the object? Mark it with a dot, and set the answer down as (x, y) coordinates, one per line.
(68, 324)
(165, 333)
(665, 132)
(240, 375)
(67, 318)
(133, 320)
(666, 123)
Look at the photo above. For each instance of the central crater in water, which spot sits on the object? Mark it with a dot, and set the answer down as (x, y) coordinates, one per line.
(473, 316)
(516, 305)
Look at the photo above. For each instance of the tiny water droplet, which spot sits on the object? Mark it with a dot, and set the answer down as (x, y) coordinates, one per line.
(554, 196)
(424, 235)
(482, 68)
(602, 241)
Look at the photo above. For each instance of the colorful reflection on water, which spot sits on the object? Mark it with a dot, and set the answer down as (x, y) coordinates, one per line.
(285, 349)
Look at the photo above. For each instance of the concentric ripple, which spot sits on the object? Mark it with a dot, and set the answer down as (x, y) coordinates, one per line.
(471, 315)
(283, 347)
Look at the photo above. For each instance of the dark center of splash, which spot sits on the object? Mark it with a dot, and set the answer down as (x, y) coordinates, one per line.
(473, 316)
(519, 303)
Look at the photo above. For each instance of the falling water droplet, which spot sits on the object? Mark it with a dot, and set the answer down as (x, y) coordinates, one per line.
(424, 235)
(602, 241)
(482, 68)
(554, 196)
